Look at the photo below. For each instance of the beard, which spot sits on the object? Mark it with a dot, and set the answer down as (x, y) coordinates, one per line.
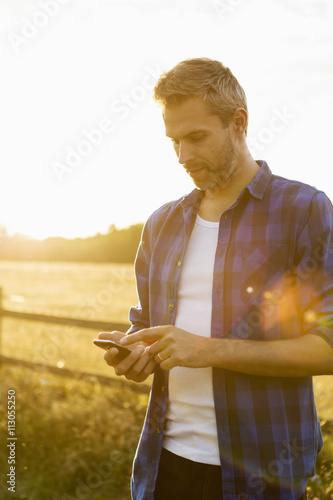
(217, 173)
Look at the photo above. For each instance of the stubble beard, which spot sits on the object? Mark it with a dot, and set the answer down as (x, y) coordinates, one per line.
(220, 173)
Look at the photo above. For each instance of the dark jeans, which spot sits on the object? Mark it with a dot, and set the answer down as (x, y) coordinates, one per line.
(182, 479)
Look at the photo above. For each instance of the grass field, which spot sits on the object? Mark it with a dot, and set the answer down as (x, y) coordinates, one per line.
(76, 439)
(90, 291)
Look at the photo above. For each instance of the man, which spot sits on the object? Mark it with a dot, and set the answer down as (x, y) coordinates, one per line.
(235, 302)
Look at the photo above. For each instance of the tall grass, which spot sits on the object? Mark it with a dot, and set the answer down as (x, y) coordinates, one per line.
(76, 440)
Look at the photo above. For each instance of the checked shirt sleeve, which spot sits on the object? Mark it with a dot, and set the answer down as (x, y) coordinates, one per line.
(139, 315)
(314, 270)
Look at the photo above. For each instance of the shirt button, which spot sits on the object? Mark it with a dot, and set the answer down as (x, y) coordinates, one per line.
(163, 388)
(179, 264)
(225, 217)
(171, 305)
(158, 430)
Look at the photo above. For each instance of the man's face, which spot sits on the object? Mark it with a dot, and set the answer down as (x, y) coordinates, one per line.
(202, 145)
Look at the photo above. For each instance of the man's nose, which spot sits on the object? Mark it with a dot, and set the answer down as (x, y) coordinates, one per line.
(185, 153)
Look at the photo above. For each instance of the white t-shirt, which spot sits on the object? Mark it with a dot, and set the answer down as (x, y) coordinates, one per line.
(190, 429)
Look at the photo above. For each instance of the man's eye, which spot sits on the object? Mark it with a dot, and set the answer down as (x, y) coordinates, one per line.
(196, 138)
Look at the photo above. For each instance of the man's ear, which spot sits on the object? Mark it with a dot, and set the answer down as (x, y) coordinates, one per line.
(240, 120)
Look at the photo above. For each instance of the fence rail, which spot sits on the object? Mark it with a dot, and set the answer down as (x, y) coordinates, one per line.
(82, 323)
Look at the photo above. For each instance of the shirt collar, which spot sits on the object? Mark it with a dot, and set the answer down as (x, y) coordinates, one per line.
(256, 187)
(260, 181)
(192, 199)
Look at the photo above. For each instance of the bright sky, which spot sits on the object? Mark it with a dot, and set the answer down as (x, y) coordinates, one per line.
(70, 67)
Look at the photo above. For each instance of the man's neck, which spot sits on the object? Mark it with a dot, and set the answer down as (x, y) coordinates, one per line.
(216, 201)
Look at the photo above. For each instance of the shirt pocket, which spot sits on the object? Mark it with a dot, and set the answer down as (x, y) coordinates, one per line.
(263, 267)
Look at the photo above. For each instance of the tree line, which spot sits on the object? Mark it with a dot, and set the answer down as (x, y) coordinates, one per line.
(118, 245)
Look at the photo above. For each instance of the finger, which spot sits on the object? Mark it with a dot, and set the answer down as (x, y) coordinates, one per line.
(158, 351)
(115, 335)
(161, 357)
(126, 364)
(111, 355)
(139, 365)
(143, 367)
(165, 360)
(167, 364)
(148, 335)
(149, 369)
(155, 348)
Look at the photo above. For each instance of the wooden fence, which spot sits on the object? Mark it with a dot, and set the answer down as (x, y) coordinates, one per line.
(82, 323)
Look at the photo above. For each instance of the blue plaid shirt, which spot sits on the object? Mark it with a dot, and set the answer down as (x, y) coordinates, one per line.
(272, 280)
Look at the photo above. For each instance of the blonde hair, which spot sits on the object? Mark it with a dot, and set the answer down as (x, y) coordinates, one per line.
(204, 78)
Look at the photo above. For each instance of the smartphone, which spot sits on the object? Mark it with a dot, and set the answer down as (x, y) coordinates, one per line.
(107, 344)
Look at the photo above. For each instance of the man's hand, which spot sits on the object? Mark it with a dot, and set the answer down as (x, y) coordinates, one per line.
(171, 346)
(137, 366)
(303, 356)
